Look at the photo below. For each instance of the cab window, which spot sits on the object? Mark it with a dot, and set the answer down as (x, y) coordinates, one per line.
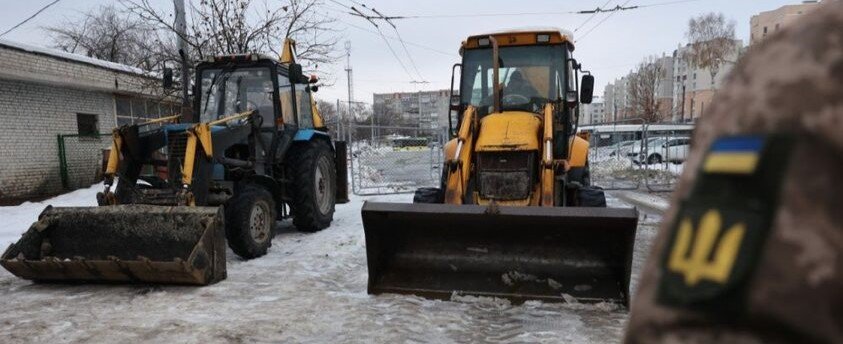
(305, 112)
(285, 94)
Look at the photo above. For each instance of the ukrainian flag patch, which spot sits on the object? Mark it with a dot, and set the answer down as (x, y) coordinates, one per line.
(734, 155)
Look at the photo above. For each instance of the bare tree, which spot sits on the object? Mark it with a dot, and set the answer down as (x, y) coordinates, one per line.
(218, 27)
(643, 85)
(711, 39)
(108, 34)
(328, 110)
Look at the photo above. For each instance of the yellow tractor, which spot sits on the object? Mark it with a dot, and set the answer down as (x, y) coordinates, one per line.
(515, 215)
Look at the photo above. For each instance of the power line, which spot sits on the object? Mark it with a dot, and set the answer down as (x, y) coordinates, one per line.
(395, 38)
(380, 16)
(601, 22)
(591, 17)
(592, 12)
(30, 18)
(400, 39)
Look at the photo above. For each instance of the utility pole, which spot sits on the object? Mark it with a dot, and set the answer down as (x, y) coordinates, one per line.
(339, 121)
(181, 32)
(350, 78)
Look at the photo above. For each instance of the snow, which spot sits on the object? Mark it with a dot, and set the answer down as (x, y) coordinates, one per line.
(75, 57)
(310, 287)
(17, 219)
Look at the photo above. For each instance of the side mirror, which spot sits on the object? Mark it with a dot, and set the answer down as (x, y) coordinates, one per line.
(455, 102)
(168, 78)
(587, 89)
(296, 74)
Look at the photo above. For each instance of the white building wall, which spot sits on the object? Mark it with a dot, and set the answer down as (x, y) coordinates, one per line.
(40, 97)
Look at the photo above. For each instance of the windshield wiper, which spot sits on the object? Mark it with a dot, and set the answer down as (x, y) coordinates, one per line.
(224, 70)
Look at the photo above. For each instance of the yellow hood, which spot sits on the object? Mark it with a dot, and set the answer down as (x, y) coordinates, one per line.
(509, 131)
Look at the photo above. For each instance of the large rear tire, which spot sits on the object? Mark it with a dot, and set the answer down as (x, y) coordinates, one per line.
(428, 195)
(249, 219)
(314, 182)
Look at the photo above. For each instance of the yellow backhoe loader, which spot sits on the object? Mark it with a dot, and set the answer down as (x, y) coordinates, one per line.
(515, 215)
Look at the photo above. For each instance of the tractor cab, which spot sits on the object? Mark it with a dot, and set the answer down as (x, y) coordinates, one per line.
(277, 92)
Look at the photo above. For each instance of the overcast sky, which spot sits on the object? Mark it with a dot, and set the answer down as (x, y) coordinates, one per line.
(613, 46)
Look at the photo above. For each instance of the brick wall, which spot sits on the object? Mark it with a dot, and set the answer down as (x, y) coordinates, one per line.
(41, 92)
(18, 64)
(31, 117)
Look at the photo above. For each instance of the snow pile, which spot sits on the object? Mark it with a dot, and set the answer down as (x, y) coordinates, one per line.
(17, 219)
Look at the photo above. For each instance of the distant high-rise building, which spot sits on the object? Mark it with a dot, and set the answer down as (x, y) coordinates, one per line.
(694, 87)
(593, 113)
(765, 23)
(423, 109)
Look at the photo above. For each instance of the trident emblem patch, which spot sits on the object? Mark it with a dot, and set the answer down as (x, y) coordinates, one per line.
(717, 238)
(700, 255)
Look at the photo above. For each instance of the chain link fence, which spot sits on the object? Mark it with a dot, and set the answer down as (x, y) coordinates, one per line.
(664, 157)
(610, 155)
(630, 154)
(393, 159)
(81, 159)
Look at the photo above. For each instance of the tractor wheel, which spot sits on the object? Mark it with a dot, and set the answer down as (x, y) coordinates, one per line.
(654, 159)
(581, 175)
(428, 195)
(249, 219)
(314, 182)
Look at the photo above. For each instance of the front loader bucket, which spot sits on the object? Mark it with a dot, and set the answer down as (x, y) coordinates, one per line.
(518, 253)
(122, 244)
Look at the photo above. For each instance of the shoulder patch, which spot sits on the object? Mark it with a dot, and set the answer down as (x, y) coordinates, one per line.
(718, 235)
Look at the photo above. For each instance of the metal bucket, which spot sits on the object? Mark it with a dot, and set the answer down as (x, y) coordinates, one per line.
(518, 253)
(122, 244)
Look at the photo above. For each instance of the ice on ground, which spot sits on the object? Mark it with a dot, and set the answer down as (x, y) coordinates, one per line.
(310, 287)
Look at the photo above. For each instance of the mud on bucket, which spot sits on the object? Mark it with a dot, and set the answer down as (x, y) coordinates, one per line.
(122, 244)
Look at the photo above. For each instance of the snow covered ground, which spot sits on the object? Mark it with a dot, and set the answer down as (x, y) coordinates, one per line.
(309, 288)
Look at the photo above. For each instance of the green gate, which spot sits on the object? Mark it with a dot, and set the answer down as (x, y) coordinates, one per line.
(81, 158)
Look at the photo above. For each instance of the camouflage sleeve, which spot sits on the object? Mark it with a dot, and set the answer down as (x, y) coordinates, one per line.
(752, 250)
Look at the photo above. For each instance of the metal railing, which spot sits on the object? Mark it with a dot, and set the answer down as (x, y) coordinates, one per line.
(392, 159)
(629, 154)
(81, 158)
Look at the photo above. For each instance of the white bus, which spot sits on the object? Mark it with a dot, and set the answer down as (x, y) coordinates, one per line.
(607, 134)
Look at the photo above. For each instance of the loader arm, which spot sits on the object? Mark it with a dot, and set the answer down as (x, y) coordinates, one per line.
(458, 166)
(116, 151)
(200, 135)
(548, 166)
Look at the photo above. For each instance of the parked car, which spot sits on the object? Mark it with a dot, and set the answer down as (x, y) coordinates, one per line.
(635, 149)
(623, 147)
(661, 149)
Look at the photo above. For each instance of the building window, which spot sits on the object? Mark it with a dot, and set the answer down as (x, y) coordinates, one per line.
(87, 125)
(765, 30)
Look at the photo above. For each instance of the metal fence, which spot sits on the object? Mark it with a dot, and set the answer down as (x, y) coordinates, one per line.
(391, 159)
(630, 154)
(81, 158)
(610, 156)
(664, 158)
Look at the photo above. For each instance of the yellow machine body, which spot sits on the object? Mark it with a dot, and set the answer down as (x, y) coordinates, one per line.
(510, 221)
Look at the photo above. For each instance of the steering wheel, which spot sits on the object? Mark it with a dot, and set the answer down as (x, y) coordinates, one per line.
(515, 99)
(250, 105)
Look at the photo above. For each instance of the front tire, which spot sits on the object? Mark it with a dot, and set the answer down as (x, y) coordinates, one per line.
(654, 159)
(428, 195)
(250, 217)
(314, 182)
